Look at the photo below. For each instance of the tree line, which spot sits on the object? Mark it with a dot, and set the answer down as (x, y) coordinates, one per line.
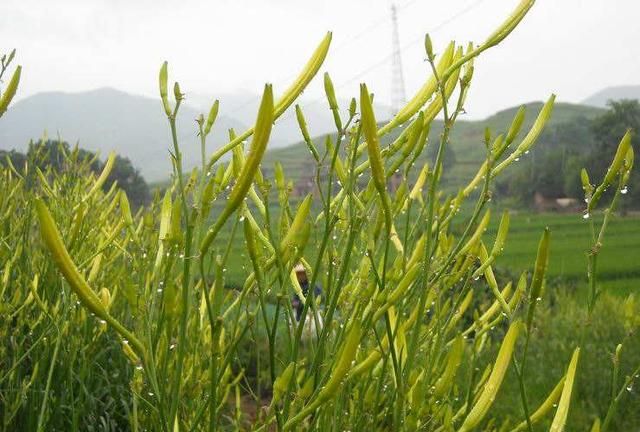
(52, 154)
(553, 168)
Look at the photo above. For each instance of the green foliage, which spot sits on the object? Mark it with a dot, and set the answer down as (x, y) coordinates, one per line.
(622, 115)
(60, 369)
(50, 153)
(561, 321)
(552, 168)
(128, 179)
(116, 320)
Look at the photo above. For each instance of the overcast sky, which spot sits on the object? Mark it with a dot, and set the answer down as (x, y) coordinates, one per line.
(570, 47)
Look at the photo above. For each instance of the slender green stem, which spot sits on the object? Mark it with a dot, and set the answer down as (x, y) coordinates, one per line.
(47, 388)
(186, 276)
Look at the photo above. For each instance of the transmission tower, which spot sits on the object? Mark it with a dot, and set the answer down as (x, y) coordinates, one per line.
(398, 95)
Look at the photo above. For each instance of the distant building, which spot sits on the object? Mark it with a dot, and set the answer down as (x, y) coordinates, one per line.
(307, 182)
(561, 204)
(303, 187)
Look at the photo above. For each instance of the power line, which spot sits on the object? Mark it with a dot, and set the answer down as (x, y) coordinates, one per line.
(410, 44)
(373, 25)
(379, 63)
(385, 59)
(381, 21)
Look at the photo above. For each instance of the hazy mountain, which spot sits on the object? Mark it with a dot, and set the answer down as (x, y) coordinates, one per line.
(107, 119)
(136, 127)
(601, 98)
(244, 107)
(466, 141)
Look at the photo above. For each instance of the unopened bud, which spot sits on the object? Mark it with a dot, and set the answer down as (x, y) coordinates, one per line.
(428, 47)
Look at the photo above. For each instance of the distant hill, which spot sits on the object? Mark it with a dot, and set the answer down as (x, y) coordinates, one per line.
(107, 119)
(135, 126)
(466, 141)
(243, 106)
(601, 98)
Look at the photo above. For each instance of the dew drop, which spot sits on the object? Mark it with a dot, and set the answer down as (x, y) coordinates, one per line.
(585, 216)
(624, 190)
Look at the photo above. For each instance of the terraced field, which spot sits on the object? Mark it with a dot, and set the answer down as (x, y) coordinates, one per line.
(619, 260)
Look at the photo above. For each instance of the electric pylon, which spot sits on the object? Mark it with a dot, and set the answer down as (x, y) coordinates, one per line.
(398, 95)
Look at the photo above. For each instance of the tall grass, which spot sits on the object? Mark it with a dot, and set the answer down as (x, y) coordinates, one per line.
(114, 320)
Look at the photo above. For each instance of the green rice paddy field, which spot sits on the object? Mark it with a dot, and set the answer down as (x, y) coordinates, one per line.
(618, 263)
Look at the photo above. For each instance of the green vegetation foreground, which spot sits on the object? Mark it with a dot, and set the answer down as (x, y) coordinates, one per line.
(116, 320)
